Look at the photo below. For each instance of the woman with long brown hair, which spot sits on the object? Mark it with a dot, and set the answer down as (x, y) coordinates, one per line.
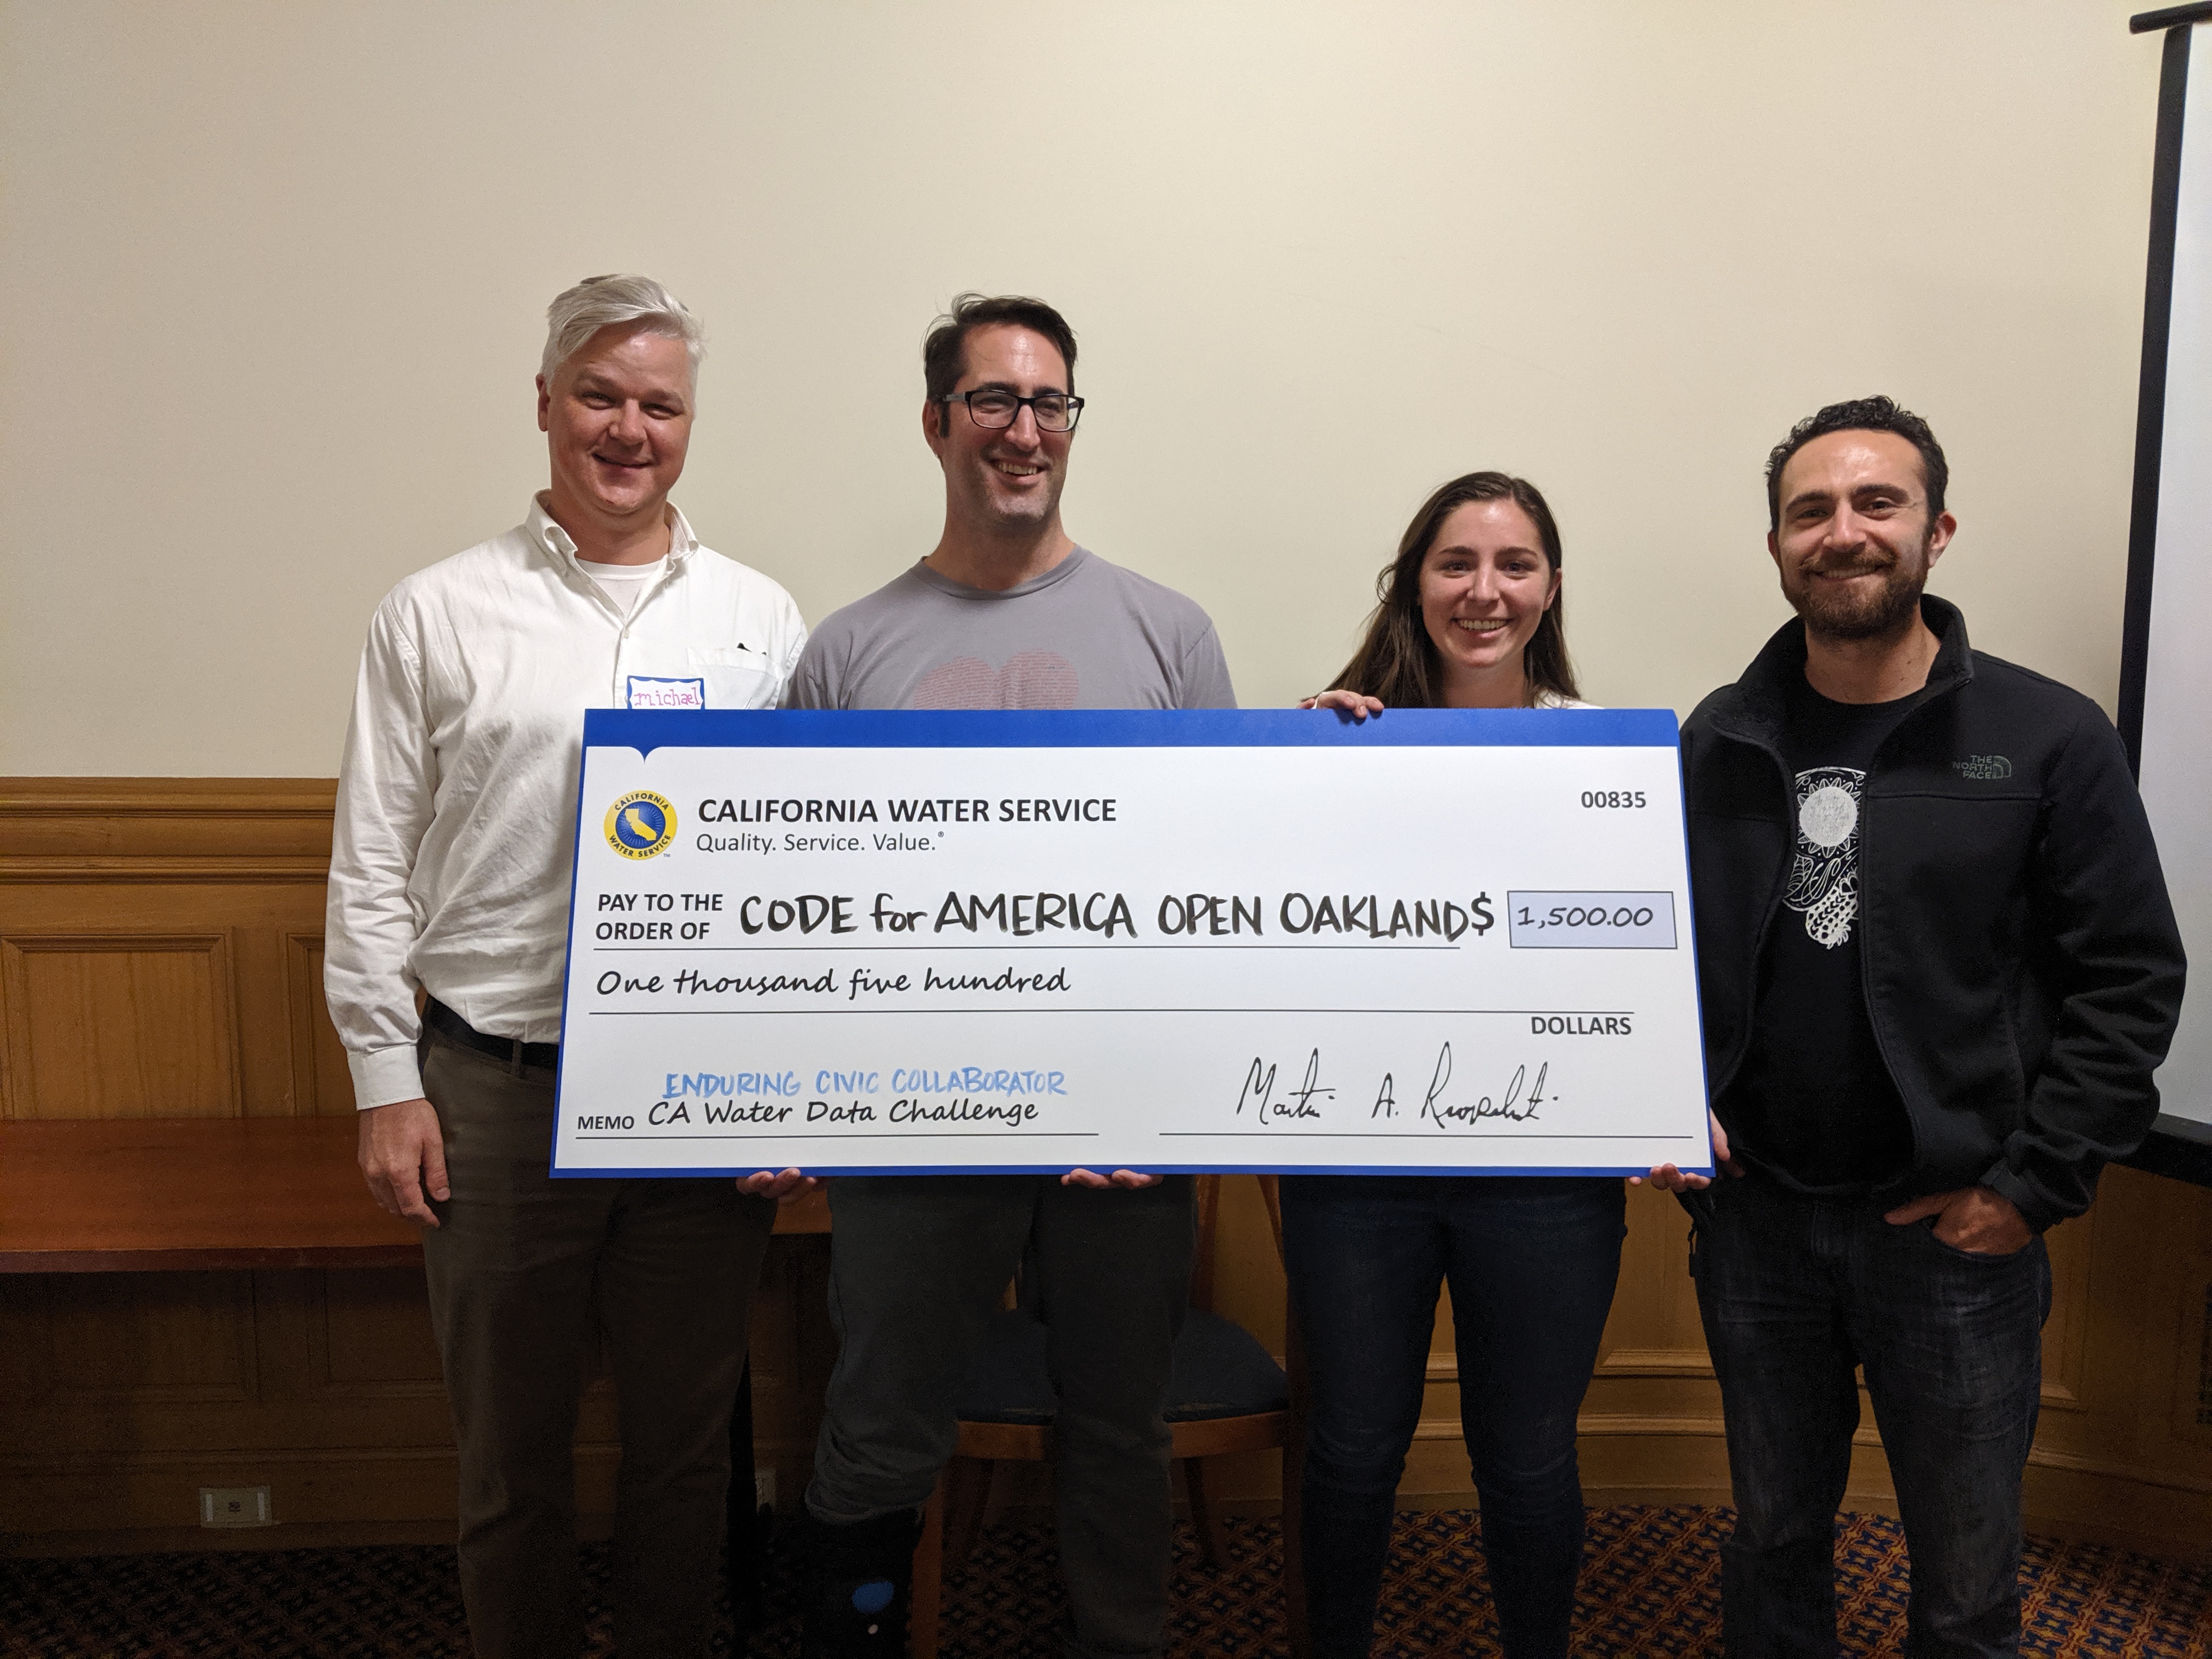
(1469, 618)
(1469, 614)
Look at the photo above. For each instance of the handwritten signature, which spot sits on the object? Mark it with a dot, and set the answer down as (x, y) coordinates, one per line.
(1514, 1108)
(1517, 1104)
(1259, 1092)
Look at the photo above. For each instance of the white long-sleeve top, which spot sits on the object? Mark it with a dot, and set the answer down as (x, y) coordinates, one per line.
(450, 863)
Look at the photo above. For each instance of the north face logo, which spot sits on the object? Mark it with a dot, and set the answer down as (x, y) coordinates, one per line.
(1983, 768)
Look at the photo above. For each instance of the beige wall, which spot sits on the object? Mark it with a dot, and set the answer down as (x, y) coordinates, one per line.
(271, 277)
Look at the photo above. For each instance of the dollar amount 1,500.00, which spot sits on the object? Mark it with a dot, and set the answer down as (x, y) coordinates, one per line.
(1577, 915)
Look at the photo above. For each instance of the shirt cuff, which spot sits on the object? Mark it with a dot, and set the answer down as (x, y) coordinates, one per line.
(383, 1075)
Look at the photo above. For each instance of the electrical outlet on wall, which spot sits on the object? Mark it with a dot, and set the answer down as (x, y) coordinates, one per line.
(235, 1506)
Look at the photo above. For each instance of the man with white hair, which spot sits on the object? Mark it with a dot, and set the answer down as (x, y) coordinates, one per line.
(450, 878)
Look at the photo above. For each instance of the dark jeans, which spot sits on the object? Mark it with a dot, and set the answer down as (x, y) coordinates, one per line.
(1532, 1261)
(517, 1270)
(1795, 1293)
(917, 1264)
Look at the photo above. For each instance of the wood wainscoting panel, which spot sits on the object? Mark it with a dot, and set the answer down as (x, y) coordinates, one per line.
(26, 1354)
(370, 1335)
(2125, 1464)
(119, 1025)
(114, 1350)
(322, 1083)
(112, 831)
(2190, 1417)
(154, 938)
(2073, 1247)
(1653, 1332)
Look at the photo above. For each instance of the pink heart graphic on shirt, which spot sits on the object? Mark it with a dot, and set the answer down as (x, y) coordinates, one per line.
(1031, 679)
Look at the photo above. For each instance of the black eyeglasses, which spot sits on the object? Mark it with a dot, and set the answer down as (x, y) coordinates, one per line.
(992, 408)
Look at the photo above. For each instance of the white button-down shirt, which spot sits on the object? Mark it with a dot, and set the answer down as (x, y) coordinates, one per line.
(450, 864)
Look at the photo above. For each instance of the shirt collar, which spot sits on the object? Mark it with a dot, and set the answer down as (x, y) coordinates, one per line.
(1754, 707)
(544, 533)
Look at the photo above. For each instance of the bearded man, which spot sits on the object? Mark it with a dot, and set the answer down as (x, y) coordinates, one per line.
(1937, 968)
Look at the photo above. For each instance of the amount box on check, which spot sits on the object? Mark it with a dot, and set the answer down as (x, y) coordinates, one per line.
(1590, 921)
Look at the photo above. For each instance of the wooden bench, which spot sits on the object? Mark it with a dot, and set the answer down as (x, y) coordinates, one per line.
(196, 1195)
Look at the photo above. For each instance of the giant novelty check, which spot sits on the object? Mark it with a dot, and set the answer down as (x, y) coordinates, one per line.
(1438, 942)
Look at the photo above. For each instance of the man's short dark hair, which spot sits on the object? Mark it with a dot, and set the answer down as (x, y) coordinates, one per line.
(1861, 415)
(943, 352)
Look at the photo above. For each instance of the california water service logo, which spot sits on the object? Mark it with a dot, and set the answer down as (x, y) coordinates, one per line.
(641, 824)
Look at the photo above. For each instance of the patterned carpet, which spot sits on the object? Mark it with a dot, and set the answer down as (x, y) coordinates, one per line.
(1651, 1586)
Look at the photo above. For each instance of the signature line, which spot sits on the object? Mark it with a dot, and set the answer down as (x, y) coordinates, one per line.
(1402, 1135)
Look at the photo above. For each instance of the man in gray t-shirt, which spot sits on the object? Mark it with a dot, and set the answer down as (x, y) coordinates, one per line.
(1006, 613)
(1083, 635)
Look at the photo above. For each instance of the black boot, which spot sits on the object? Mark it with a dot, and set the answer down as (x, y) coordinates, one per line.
(859, 1582)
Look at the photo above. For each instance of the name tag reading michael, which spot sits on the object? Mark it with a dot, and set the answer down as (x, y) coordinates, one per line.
(1440, 942)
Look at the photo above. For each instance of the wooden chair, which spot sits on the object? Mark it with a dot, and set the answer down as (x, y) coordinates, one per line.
(1209, 1349)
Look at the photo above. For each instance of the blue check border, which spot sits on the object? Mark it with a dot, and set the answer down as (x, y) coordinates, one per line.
(647, 730)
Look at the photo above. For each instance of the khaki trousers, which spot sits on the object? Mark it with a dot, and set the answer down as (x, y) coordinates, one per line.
(524, 1269)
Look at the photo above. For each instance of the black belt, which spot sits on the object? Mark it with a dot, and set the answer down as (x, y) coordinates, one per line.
(511, 1051)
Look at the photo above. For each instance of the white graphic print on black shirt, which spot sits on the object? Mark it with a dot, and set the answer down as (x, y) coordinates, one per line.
(1814, 1102)
(1823, 881)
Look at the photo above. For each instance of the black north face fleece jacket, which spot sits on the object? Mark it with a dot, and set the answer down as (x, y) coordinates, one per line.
(2021, 965)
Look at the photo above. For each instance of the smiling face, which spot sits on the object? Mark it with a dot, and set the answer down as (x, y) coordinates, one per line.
(617, 421)
(1010, 480)
(1485, 586)
(1855, 541)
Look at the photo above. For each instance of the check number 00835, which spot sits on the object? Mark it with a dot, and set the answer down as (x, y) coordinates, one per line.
(1612, 797)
